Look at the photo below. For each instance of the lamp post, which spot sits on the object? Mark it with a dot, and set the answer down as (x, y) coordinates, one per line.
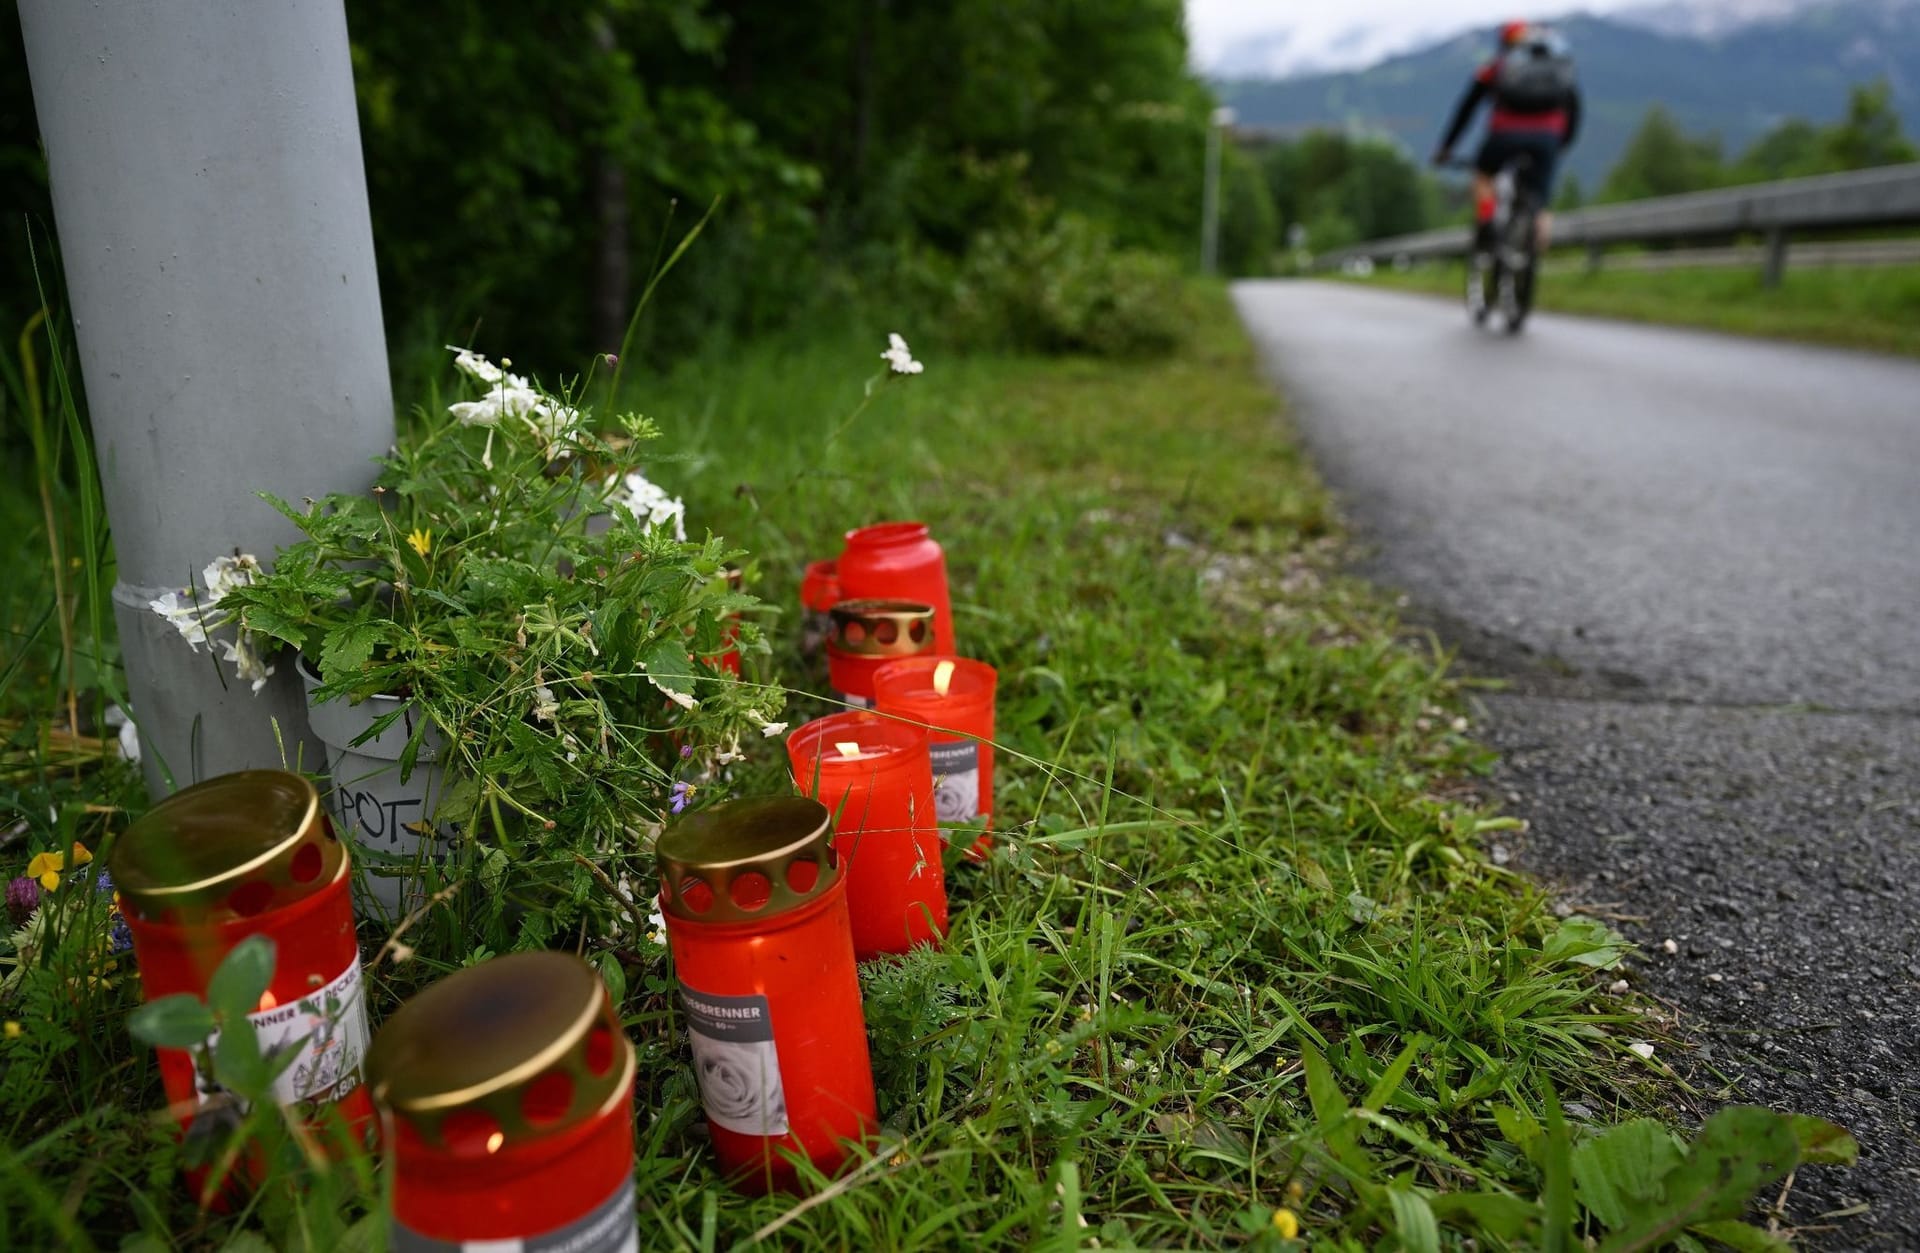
(212, 212)
(1210, 193)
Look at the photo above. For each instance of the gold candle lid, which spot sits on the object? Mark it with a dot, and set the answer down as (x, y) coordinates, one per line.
(746, 859)
(229, 848)
(512, 1049)
(881, 628)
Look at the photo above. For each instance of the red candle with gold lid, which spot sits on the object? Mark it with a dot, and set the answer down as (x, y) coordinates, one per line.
(755, 899)
(252, 853)
(875, 775)
(867, 634)
(819, 592)
(505, 1093)
(953, 698)
(898, 561)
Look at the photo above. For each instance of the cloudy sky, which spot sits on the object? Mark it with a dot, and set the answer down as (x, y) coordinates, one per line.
(1340, 33)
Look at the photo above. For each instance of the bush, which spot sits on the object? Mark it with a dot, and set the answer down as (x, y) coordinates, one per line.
(1062, 285)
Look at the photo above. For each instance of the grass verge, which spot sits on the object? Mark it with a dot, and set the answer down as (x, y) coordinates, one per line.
(1874, 307)
(1238, 972)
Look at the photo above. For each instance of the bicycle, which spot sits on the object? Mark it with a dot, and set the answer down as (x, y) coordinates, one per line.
(1503, 276)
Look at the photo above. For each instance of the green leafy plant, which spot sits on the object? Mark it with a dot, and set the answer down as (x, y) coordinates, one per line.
(532, 597)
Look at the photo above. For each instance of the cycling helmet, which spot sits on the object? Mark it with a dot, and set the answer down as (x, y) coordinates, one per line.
(1513, 32)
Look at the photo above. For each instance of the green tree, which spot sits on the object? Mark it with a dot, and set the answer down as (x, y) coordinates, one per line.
(1662, 160)
(1870, 134)
(1249, 226)
(1572, 193)
(1789, 150)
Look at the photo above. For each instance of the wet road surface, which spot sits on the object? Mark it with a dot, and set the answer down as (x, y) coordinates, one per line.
(1695, 559)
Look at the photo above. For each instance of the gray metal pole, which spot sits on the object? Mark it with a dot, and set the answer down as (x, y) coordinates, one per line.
(212, 214)
(1776, 267)
(1210, 199)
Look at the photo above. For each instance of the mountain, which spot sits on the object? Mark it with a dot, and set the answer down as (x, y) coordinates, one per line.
(1734, 68)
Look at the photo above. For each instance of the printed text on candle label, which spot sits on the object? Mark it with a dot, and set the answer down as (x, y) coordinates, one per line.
(735, 1062)
(609, 1227)
(956, 780)
(328, 1027)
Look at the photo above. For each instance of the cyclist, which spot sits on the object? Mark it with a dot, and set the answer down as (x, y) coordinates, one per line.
(1536, 114)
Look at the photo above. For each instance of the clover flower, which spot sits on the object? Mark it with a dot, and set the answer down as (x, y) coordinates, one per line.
(899, 357)
(23, 897)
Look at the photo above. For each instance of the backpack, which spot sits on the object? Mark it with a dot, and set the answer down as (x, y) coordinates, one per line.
(1534, 77)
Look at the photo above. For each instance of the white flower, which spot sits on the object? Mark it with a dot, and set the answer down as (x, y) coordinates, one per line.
(223, 574)
(474, 365)
(129, 734)
(247, 663)
(187, 617)
(510, 398)
(771, 729)
(899, 357)
(679, 698)
(545, 707)
(649, 503)
(194, 619)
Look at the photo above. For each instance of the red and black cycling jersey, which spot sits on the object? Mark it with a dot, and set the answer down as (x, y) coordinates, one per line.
(1562, 123)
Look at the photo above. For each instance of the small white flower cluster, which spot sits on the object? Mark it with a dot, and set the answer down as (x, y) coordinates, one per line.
(649, 503)
(196, 618)
(899, 357)
(511, 396)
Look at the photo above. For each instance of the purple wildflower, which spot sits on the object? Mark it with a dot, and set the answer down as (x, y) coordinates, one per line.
(686, 751)
(610, 359)
(103, 883)
(23, 897)
(119, 936)
(682, 793)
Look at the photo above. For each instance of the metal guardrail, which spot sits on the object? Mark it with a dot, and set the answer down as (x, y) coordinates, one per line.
(1887, 196)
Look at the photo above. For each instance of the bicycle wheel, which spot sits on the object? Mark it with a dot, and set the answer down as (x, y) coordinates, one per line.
(1480, 285)
(1516, 292)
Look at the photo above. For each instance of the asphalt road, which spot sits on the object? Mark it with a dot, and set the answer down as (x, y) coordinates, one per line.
(1696, 561)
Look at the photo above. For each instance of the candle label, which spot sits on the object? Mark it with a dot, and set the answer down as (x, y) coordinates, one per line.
(858, 702)
(609, 1227)
(327, 1027)
(956, 780)
(735, 1062)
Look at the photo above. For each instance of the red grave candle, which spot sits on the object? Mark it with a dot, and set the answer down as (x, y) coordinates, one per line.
(876, 777)
(819, 590)
(505, 1093)
(755, 899)
(953, 697)
(243, 854)
(899, 561)
(866, 635)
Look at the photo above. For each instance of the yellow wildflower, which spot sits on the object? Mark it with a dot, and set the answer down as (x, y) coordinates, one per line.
(421, 540)
(12, 1030)
(1286, 1223)
(47, 866)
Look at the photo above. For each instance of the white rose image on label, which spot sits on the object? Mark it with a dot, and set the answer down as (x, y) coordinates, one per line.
(328, 1027)
(735, 1062)
(956, 781)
